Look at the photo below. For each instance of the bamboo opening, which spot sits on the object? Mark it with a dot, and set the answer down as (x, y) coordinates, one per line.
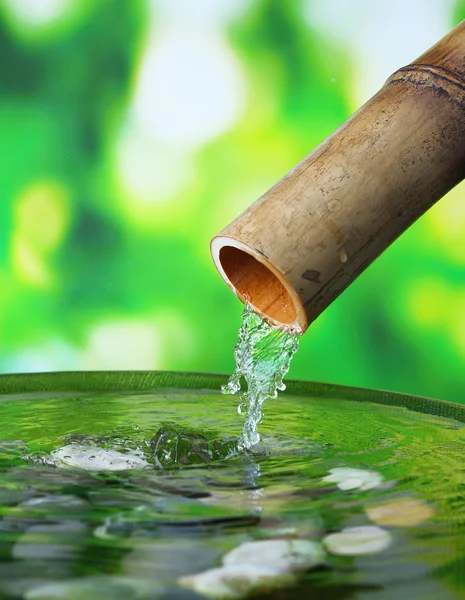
(258, 285)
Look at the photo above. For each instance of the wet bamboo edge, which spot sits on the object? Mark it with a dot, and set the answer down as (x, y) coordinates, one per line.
(300, 245)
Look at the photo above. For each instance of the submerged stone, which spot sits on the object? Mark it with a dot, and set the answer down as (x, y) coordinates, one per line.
(97, 588)
(255, 567)
(237, 581)
(400, 512)
(355, 541)
(50, 504)
(113, 496)
(347, 478)
(166, 560)
(11, 497)
(93, 458)
(54, 541)
(284, 555)
(19, 576)
(172, 516)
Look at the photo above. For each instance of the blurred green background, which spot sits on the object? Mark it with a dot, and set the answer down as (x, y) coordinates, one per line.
(132, 131)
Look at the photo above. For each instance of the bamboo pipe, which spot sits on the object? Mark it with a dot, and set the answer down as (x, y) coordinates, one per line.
(293, 251)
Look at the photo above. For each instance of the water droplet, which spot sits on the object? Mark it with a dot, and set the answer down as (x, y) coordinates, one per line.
(242, 408)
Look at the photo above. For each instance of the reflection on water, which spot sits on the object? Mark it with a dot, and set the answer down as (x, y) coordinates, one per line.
(142, 496)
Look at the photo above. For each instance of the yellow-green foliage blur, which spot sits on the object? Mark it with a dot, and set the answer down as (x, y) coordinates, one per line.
(132, 131)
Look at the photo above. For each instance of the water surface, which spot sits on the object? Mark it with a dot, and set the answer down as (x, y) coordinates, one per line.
(122, 495)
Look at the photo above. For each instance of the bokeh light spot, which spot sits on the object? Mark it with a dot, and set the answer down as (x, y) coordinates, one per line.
(426, 302)
(123, 344)
(148, 173)
(40, 220)
(37, 13)
(189, 89)
(28, 265)
(52, 355)
(42, 214)
(446, 225)
(200, 12)
(379, 41)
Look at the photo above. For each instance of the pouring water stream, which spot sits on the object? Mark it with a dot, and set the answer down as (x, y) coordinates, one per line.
(263, 355)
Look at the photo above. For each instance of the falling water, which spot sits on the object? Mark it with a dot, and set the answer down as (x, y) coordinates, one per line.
(263, 355)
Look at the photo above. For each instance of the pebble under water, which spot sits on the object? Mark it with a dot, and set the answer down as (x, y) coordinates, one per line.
(142, 495)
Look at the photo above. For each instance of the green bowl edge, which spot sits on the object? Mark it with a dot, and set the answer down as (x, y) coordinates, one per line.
(125, 381)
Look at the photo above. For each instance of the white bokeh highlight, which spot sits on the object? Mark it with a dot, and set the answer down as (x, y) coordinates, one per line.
(381, 37)
(200, 13)
(37, 13)
(189, 88)
(126, 344)
(149, 172)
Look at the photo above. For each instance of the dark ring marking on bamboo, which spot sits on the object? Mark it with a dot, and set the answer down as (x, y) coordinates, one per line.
(438, 72)
(262, 253)
(311, 275)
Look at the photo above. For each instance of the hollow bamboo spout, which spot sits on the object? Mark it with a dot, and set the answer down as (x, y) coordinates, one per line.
(293, 251)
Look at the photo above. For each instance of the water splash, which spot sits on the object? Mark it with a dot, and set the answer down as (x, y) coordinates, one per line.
(263, 356)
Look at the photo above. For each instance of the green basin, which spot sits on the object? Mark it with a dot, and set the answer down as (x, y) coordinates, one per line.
(127, 485)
